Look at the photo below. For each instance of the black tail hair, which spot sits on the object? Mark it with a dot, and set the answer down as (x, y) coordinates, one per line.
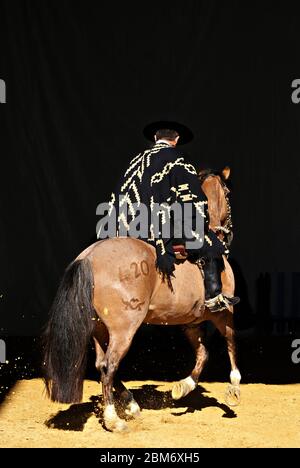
(68, 333)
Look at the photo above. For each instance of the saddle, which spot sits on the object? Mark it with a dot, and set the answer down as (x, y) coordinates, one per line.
(180, 252)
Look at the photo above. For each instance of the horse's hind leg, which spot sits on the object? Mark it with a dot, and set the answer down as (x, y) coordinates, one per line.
(120, 338)
(224, 322)
(101, 339)
(195, 335)
(132, 409)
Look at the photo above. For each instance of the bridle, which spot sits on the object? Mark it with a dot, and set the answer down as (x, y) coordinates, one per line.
(227, 227)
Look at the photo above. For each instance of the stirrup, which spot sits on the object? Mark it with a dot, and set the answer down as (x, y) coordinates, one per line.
(233, 300)
(221, 302)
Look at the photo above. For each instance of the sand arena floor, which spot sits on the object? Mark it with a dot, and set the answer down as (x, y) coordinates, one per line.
(268, 416)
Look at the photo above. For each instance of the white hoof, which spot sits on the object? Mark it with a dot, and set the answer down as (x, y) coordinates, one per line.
(233, 395)
(183, 388)
(112, 421)
(133, 409)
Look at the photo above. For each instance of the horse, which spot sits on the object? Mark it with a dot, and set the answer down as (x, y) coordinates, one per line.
(113, 287)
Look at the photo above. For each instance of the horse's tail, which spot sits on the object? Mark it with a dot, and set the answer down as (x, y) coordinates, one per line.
(68, 333)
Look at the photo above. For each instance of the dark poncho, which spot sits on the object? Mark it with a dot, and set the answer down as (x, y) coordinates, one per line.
(161, 175)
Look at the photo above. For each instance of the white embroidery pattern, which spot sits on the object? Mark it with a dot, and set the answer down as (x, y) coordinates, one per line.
(158, 177)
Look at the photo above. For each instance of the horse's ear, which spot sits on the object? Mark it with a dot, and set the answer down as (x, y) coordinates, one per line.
(226, 172)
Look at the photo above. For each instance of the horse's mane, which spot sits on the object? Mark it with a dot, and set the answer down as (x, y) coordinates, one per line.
(204, 173)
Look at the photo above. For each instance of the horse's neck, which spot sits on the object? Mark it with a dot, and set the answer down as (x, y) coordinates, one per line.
(211, 188)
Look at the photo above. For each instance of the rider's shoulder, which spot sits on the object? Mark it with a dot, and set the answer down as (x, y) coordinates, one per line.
(171, 153)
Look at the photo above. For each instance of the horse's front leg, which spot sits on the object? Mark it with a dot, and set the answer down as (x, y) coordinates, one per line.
(233, 392)
(224, 322)
(195, 335)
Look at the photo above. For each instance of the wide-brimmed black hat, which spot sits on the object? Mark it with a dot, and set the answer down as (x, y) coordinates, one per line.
(185, 134)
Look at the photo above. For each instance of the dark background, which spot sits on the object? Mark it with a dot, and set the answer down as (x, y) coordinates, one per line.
(82, 81)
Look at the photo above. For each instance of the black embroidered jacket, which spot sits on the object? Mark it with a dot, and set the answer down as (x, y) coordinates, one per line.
(159, 178)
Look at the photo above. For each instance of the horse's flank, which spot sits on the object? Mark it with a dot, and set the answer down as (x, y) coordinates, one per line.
(126, 281)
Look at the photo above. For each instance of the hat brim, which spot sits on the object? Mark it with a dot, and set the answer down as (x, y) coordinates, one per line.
(185, 134)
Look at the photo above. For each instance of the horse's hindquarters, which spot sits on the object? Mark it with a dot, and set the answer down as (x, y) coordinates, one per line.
(124, 277)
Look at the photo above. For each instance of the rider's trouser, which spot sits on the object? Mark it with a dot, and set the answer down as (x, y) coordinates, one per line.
(213, 268)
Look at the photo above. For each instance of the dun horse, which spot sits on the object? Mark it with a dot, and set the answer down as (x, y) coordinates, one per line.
(113, 287)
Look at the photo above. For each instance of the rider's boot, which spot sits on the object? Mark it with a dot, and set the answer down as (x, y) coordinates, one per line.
(214, 299)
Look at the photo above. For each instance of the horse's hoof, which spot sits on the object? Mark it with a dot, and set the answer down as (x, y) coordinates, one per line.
(133, 410)
(183, 388)
(178, 391)
(116, 426)
(233, 395)
(112, 421)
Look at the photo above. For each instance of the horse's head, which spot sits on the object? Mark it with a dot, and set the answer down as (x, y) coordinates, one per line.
(214, 186)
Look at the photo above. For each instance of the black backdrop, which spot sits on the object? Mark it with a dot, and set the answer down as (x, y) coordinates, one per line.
(82, 79)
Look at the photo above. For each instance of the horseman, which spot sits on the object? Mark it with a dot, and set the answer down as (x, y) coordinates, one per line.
(161, 180)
